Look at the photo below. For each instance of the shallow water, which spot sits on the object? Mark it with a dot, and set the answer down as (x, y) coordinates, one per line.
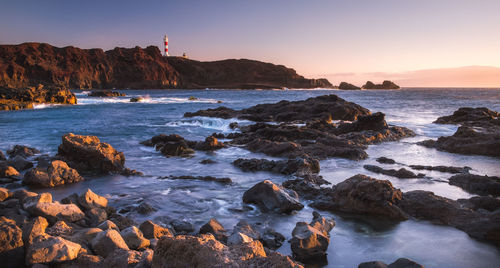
(353, 240)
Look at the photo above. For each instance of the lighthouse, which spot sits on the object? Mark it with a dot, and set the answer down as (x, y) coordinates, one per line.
(165, 40)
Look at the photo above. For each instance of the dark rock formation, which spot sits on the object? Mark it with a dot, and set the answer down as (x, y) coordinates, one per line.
(399, 263)
(105, 93)
(467, 114)
(57, 173)
(215, 228)
(11, 243)
(361, 194)
(12, 98)
(152, 230)
(401, 173)
(385, 160)
(446, 169)
(385, 85)
(136, 99)
(310, 241)
(22, 150)
(226, 181)
(477, 184)
(347, 86)
(19, 163)
(307, 187)
(32, 63)
(269, 197)
(299, 166)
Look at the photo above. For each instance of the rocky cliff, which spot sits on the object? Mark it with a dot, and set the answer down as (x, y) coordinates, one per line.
(31, 64)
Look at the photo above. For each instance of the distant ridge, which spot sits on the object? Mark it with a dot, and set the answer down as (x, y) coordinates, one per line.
(31, 64)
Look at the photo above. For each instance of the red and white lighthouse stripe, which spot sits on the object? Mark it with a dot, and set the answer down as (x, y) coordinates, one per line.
(166, 45)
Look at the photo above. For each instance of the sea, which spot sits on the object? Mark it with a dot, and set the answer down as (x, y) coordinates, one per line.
(354, 239)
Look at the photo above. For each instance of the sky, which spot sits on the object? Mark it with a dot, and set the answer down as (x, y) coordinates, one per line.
(350, 40)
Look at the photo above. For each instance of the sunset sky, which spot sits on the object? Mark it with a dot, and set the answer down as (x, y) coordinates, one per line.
(414, 42)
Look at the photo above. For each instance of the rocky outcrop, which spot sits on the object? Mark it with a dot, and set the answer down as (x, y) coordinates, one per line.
(299, 166)
(88, 154)
(347, 86)
(56, 174)
(310, 241)
(361, 194)
(105, 93)
(22, 150)
(468, 115)
(206, 251)
(477, 184)
(399, 263)
(401, 173)
(271, 197)
(17, 98)
(385, 85)
(138, 68)
(175, 145)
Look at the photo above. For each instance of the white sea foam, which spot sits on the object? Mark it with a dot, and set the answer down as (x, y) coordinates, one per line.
(45, 105)
(219, 124)
(145, 99)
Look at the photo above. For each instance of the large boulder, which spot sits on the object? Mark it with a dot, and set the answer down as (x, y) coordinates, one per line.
(134, 238)
(215, 228)
(89, 200)
(477, 184)
(468, 114)
(7, 171)
(11, 243)
(22, 150)
(310, 241)
(88, 154)
(34, 228)
(51, 249)
(42, 205)
(361, 194)
(19, 163)
(55, 174)
(108, 241)
(152, 230)
(272, 197)
(299, 166)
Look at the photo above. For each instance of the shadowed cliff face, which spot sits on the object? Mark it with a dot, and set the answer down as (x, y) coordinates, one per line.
(34, 63)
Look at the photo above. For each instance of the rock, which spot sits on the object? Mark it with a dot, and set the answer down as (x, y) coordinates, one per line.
(121, 221)
(310, 241)
(226, 181)
(89, 154)
(272, 239)
(237, 238)
(480, 202)
(152, 230)
(136, 99)
(206, 251)
(207, 161)
(95, 216)
(105, 225)
(57, 173)
(299, 166)
(34, 228)
(11, 243)
(170, 145)
(269, 197)
(372, 264)
(4, 194)
(385, 85)
(442, 168)
(477, 184)
(22, 194)
(19, 163)
(19, 96)
(2, 156)
(401, 173)
(60, 228)
(215, 228)
(42, 205)
(134, 238)
(347, 86)
(8, 171)
(50, 249)
(129, 258)
(105, 93)
(361, 194)
(399, 263)
(182, 227)
(374, 122)
(107, 241)
(210, 144)
(385, 160)
(89, 200)
(308, 187)
(84, 261)
(145, 208)
(467, 114)
(23, 151)
(245, 228)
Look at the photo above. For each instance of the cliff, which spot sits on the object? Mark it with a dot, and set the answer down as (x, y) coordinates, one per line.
(31, 64)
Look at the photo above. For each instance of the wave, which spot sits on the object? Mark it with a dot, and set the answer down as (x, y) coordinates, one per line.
(45, 105)
(85, 100)
(219, 124)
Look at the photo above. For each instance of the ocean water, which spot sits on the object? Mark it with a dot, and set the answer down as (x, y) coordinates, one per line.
(353, 240)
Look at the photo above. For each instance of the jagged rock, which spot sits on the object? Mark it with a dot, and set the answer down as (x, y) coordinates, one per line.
(269, 197)
(385, 160)
(374, 122)
(477, 184)
(57, 173)
(89, 154)
(50, 249)
(245, 228)
(34, 228)
(107, 241)
(60, 228)
(89, 200)
(347, 86)
(152, 230)
(8, 171)
(134, 238)
(129, 258)
(4, 194)
(16, 97)
(122, 221)
(83, 261)
(468, 114)
(107, 224)
(308, 187)
(361, 194)
(226, 181)
(42, 205)
(11, 243)
(310, 241)
(215, 228)
(299, 166)
(105, 93)
(401, 173)
(181, 226)
(19, 163)
(272, 239)
(23, 151)
(95, 216)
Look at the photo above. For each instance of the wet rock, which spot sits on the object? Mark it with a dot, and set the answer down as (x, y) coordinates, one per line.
(207, 161)
(84, 261)
(467, 114)
(152, 230)
(237, 238)
(245, 228)
(308, 187)
(272, 239)
(401, 173)
(215, 228)
(23, 151)
(131, 172)
(60, 228)
(385, 85)
(210, 144)
(271, 197)
(181, 226)
(225, 181)
(2, 156)
(50, 249)
(170, 145)
(374, 121)
(8, 171)
(385, 160)
(105, 93)
(107, 224)
(95, 216)
(4, 194)
(57, 173)
(399, 263)
(134, 238)
(447, 169)
(42, 205)
(22, 194)
(206, 251)
(11, 243)
(361, 194)
(347, 86)
(477, 184)
(88, 154)
(19, 163)
(34, 228)
(299, 166)
(136, 99)
(89, 200)
(145, 208)
(107, 241)
(310, 241)
(121, 221)
(129, 258)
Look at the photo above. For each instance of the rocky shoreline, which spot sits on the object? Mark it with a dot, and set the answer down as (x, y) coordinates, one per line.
(82, 230)
(24, 98)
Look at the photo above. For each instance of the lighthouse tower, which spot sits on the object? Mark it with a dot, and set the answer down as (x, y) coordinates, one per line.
(165, 39)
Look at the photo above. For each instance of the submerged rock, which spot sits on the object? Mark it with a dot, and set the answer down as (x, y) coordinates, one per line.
(447, 169)
(385, 160)
(401, 173)
(310, 241)
(226, 181)
(57, 173)
(399, 263)
(477, 184)
(271, 197)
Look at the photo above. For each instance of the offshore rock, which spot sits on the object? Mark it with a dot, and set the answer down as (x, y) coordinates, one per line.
(467, 114)
(270, 197)
(310, 241)
(446, 169)
(385, 85)
(477, 184)
(57, 173)
(399, 263)
(347, 86)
